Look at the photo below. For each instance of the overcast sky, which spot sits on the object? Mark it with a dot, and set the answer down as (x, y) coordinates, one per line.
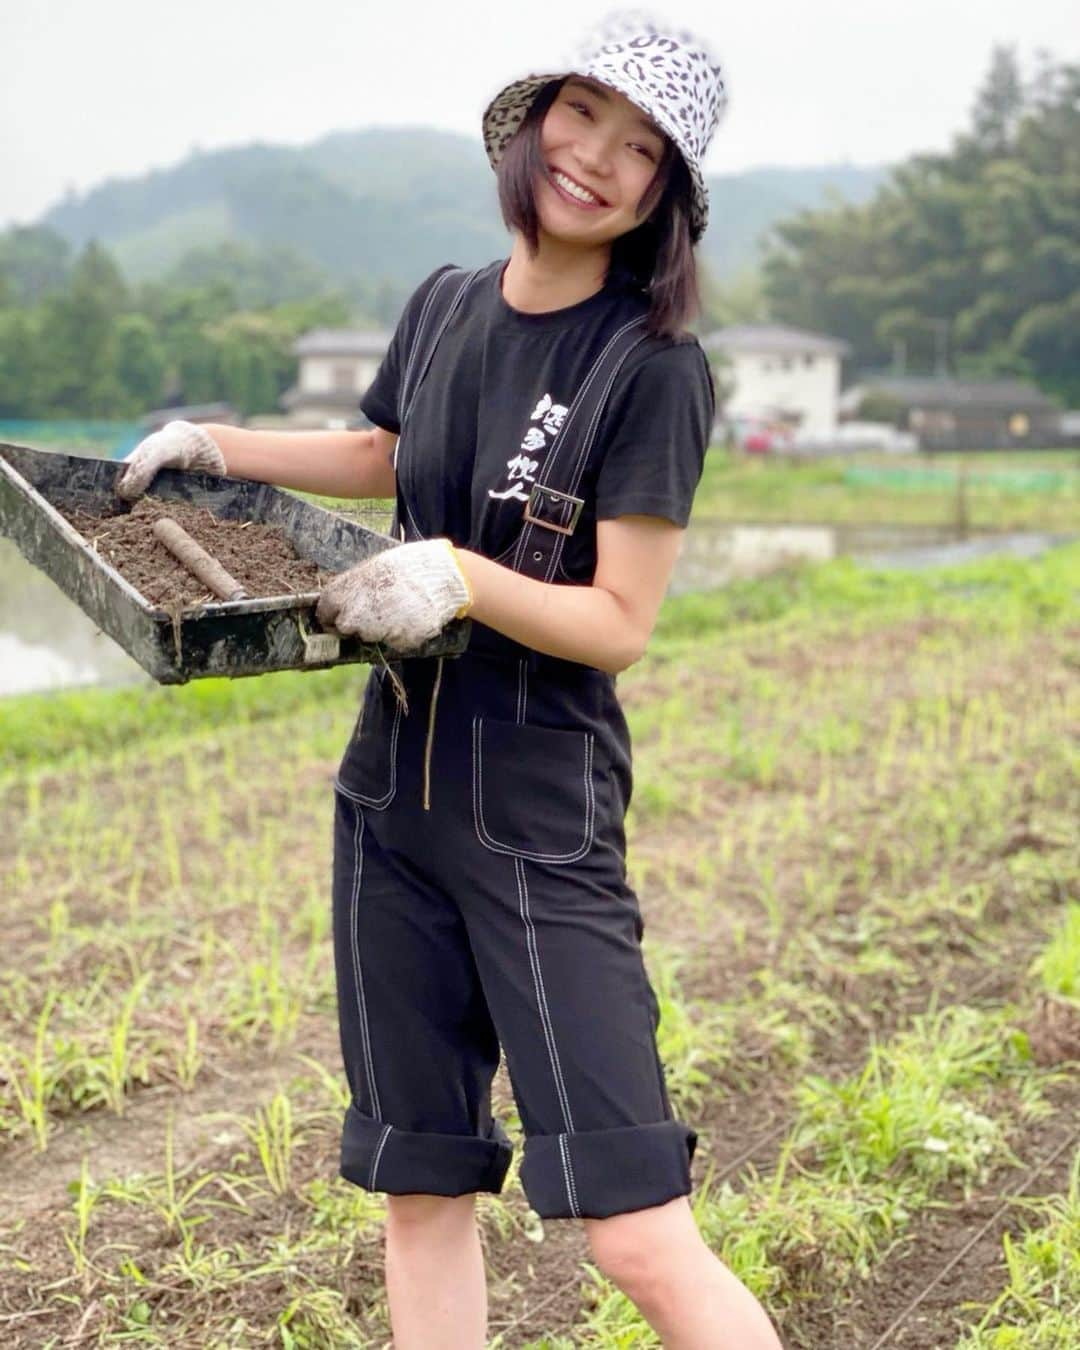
(92, 89)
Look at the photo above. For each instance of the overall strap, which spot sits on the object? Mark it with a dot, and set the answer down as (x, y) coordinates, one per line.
(440, 305)
(552, 511)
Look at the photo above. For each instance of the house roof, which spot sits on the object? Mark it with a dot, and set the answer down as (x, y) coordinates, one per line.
(342, 342)
(772, 338)
(934, 391)
(190, 412)
(295, 397)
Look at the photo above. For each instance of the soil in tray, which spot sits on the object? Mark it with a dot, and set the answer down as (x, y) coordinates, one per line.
(261, 557)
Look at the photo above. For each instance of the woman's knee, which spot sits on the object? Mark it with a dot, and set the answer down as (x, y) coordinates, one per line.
(429, 1213)
(634, 1250)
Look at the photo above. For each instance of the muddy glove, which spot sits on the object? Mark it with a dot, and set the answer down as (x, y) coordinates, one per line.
(403, 596)
(178, 445)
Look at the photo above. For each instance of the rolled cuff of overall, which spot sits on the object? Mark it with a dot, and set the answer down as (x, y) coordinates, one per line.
(380, 1157)
(597, 1173)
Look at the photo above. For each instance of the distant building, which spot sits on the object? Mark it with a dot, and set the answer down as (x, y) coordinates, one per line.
(1070, 424)
(781, 375)
(946, 413)
(336, 366)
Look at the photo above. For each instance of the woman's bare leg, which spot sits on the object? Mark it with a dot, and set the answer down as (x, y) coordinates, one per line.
(435, 1280)
(688, 1296)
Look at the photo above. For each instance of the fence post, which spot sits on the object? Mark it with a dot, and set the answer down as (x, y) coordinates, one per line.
(961, 501)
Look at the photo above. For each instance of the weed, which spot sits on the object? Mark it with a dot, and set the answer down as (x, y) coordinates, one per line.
(1039, 1307)
(1058, 966)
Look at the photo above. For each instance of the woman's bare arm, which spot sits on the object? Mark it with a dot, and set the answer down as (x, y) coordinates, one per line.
(607, 624)
(333, 463)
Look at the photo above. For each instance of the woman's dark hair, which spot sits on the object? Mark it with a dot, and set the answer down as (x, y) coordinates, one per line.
(656, 257)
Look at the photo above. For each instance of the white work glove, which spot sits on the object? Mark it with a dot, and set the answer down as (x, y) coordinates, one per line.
(402, 596)
(178, 445)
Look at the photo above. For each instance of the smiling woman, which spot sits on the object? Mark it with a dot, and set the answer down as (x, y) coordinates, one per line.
(623, 186)
(545, 420)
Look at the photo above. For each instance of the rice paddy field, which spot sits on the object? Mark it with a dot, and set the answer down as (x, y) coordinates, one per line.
(988, 490)
(854, 838)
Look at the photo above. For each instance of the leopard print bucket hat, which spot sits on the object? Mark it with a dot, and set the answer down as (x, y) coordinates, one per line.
(667, 72)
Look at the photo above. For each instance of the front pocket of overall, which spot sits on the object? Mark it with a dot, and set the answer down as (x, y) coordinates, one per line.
(368, 771)
(534, 790)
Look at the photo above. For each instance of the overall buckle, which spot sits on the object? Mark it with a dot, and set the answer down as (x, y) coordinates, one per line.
(539, 494)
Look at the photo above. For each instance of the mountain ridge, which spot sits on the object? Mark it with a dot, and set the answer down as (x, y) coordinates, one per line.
(385, 204)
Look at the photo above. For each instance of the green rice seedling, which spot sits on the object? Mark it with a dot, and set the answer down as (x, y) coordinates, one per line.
(58, 923)
(765, 892)
(171, 1195)
(211, 816)
(85, 1196)
(275, 1136)
(833, 736)
(194, 776)
(1058, 966)
(335, 1088)
(189, 1059)
(1039, 1307)
(133, 893)
(121, 1068)
(31, 816)
(267, 997)
(820, 893)
(31, 1076)
(168, 846)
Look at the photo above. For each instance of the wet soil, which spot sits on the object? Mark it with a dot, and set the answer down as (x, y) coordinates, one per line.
(261, 557)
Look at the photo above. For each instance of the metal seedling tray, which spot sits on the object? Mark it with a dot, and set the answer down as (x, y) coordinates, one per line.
(237, 637)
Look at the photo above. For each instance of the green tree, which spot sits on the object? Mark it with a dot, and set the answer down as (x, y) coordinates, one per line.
(999, 103)
(21, 364)
(1049, 336)
(739, 300)
(139, 362)
(973, 254)
(33, 262)
(78, 330)
(259, 277)
(185, 321)
(254, 360)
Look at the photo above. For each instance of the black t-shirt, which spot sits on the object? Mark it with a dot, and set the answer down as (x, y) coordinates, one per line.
(495, 395)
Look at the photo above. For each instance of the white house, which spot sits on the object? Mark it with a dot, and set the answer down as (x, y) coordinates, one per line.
(336, 367)
(780, 374)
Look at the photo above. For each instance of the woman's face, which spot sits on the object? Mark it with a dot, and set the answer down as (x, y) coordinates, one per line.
(602, 152)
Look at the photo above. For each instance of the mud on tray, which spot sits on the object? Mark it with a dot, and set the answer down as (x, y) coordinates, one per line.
(260, 556)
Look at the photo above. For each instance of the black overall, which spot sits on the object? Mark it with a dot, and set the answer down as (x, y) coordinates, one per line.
(480, 898)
